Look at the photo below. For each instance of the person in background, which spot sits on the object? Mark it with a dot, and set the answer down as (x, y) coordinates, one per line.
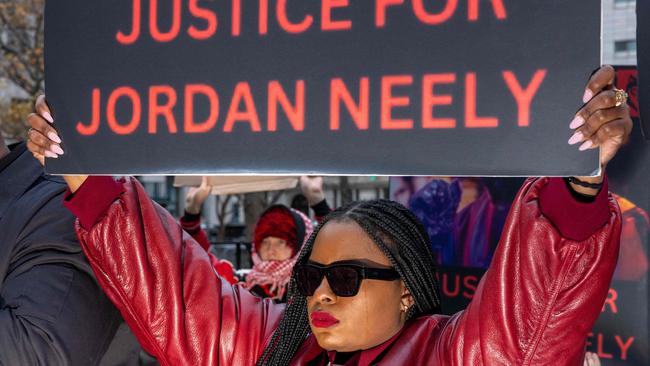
(633, 258)
(299, 203)
(52, 312)
(461, 219)
(278, 237)
(191, 223)
(435, 204)
(279, 234)
(312, 189)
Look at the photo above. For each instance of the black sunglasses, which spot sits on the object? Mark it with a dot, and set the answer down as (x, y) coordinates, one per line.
(343, 278)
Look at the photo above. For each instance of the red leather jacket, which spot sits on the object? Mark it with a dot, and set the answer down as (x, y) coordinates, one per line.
(192, 225)
(535, 305)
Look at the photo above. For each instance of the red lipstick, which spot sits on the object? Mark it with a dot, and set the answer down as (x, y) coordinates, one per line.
(321, 319)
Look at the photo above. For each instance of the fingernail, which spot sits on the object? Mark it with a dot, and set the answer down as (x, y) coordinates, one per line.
(577, 137)
(586, 145)
(57, 149)
(54, 137)
(50, 154)
(577, 122)
(48, 117)
(587, 96)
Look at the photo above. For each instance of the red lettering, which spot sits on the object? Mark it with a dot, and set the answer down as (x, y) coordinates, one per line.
(601, 352)
(471, 120)
(153, 22)
(200, 127)
(205, 14)
(497, 6)
(358, 111)
(94, 122)
(242, 91)
(327, 24)
(388, 101)
(135, 24)
(612, 295)
(433, 19)
(429, 100)
(470, 283)
(283, 20)
(165, 110)
(624, 346)
(236, 18)
(295, 113)
(132, 95)
(524, 97)
(445, 289)
(264, 16)
(380, 11)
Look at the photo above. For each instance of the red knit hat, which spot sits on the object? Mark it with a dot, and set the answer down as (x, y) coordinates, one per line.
(277, 221)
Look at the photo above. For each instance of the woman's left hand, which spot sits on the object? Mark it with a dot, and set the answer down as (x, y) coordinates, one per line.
(196, 196)
(601, 123)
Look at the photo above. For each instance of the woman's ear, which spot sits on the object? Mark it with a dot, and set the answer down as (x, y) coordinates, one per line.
(407, 300)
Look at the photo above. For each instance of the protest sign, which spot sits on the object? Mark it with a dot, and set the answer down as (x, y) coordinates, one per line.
(239, 184)
(460, 87)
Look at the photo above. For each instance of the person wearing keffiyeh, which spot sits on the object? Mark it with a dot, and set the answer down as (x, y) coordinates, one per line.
(279, 234)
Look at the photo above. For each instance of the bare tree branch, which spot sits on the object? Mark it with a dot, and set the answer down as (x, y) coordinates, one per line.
(21, 58)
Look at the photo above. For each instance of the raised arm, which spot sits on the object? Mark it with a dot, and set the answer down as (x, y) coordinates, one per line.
(160, 279)
(163, 282)
(191, 219)
(551, 272)
(191, 223)
(546, 284)
(312, 189)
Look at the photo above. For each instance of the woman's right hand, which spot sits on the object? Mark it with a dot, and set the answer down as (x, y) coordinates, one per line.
(43, 140)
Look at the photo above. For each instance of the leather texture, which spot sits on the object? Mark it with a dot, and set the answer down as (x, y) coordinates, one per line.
(534, 306)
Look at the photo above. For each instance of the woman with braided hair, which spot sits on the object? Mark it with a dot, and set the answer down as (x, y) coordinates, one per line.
(364, 289)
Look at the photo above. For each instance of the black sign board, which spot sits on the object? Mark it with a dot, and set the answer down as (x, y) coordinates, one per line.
(453, 87)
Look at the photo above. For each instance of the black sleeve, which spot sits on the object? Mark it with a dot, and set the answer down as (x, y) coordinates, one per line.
(321, 209)
(52, 312)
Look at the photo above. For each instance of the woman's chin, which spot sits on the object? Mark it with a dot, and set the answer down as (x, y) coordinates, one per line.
(330, 341)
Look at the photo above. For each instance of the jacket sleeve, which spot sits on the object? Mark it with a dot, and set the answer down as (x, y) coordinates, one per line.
(192, 224)
(164, 283)
(321, 209)
(546, 285)
(51, 310)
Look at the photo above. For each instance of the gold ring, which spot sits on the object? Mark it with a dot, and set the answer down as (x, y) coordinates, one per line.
(620, 97)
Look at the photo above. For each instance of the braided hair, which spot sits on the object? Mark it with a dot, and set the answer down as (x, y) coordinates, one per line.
(399, 235)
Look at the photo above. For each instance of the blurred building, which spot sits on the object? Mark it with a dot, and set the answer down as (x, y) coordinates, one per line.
(619, 32)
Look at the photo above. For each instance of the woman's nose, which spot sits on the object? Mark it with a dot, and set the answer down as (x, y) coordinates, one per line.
(324, 293)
